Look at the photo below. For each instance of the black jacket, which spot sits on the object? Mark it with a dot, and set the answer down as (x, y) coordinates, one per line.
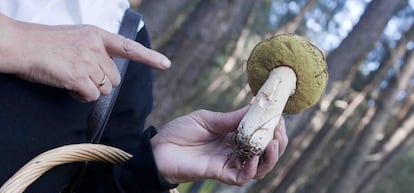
(35, 118)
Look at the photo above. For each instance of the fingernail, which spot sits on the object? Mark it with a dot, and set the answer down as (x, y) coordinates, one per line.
(165, 63)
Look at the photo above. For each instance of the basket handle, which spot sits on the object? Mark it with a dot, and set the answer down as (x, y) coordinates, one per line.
(61, 155)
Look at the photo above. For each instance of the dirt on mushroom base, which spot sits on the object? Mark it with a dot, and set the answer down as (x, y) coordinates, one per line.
(288, 74)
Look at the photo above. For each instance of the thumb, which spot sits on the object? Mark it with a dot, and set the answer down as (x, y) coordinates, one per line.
(217, 122)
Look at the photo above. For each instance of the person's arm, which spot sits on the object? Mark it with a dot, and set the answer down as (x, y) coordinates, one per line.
(194, 147)
(9, 53)
(77, 57)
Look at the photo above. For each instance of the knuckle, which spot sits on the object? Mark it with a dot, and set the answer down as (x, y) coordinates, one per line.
(232, 182)
(78, 73)
(200, 111)
(127, 46)
(114, 74)
(92, 38)
(200, 114)
(84, 60)
(85, 97)
(117, 80)
(95, 46)
(259, 177)
(238, 182)
(106, 91)
(67, 86)
(90, 29)
(92, 96)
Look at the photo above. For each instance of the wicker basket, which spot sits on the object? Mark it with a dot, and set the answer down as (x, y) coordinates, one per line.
(61, 155)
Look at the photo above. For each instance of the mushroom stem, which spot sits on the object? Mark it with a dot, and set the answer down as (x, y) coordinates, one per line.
(256, 129)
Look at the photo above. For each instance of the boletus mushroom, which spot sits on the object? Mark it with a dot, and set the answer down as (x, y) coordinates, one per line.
(287, 74)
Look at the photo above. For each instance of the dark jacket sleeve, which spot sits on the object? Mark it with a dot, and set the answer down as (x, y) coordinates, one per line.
(141, 171)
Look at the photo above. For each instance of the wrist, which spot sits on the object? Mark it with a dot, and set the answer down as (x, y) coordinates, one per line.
(11, 46)
(155, 144)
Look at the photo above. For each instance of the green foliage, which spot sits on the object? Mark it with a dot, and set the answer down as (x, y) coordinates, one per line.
(183, 188)
(207, 187)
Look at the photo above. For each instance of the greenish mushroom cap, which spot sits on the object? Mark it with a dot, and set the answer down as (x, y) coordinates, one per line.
(306, 60)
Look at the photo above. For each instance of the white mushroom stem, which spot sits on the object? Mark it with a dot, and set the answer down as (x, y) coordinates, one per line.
(257, 127)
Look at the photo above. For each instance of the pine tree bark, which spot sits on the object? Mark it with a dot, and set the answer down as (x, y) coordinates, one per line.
(192, 49)
(328, 175)
(164, 17)
(325, 176)
(361, 39)
(367, 141)
(291, 26)
(399, 118)
(391, 158)
(230, 70)
(341, 61)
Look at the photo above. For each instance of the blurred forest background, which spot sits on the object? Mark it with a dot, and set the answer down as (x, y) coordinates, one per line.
(358, 139)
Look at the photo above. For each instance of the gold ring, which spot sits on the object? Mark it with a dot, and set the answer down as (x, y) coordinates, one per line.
(102, 81)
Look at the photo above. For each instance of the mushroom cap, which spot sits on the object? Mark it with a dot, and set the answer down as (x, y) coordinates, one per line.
(306, 60)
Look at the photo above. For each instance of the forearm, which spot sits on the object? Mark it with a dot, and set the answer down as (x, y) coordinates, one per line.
(11, 60)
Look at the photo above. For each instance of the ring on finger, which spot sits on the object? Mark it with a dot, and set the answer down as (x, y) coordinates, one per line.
(102, 82)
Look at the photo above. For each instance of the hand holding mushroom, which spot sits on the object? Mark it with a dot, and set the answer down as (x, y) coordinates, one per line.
(284, 70)
(196, 146)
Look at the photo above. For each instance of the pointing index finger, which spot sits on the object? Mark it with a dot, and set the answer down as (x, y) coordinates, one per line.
(119, 46)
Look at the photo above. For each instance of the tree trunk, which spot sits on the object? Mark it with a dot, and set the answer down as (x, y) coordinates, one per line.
(361, 39)
(367, 141)
(329, 174)
(291, 26)
(399, 118)
(230, 70)
(405, 142)
(376, 159)
(317, 144)
(164, 17)
(368, 25)
(344, 58)
(331, 129)
(192, 50)
(344, 61)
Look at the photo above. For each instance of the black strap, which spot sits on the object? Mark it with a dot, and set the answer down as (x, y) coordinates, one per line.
(99, 116)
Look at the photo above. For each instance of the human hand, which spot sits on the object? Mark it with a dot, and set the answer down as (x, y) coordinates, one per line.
(77, 58)
(197, 146)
